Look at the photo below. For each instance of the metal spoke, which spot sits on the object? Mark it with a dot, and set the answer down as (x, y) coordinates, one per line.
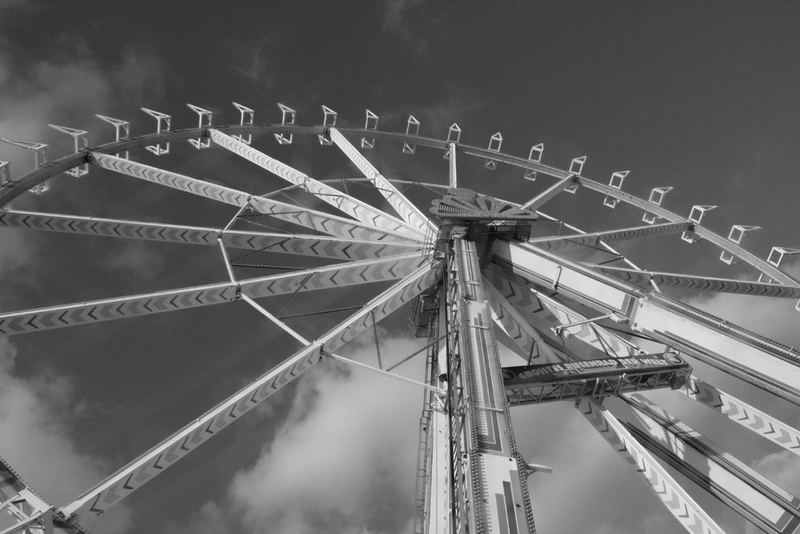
(609, 236)
(764, 504)
(742, 413)
(330, 276)
(317, 220)
(700, 283)
(404, 207)
(551, 192)
(693, 518)
(157, 460)
(357, 209)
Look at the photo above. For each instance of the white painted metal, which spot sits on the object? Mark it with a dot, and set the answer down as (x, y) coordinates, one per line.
(317, 220)
(453, 168)
(542, 198)
(672, 322)
(405, 208)
(760, 501)
(690, 515)
(329, 276)
(742, 413)
(158, 459)
(348, 204)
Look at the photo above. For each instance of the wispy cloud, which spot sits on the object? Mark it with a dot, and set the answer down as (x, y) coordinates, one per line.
(342, 462)
(35, 436)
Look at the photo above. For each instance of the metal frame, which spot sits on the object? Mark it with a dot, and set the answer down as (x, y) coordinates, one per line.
(546, 303)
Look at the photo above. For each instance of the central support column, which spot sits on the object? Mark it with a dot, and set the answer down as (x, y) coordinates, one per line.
(489, 479)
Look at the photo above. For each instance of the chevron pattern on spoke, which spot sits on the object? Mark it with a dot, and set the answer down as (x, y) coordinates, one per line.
(404, 207)
(116, 308)
(299, 215)
(742, 413)
(677, 501)
(357, 209)
(610, 236)
(697, 457)
(338, 275)
(154, 462)
(312, 245)
(74, 224)
(700, 283)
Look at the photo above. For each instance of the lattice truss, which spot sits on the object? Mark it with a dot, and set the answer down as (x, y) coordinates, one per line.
(585, 331)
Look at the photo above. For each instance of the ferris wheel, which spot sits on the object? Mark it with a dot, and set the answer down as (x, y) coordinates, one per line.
(471, 271)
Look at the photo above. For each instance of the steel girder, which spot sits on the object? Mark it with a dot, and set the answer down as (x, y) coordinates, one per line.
(732, 348)
(158, 459)
(317, 220)
(299, 244)
(405, 208)
(489, 480)
(760, 501)
(357, 209)
(329, 276)
(674, 497)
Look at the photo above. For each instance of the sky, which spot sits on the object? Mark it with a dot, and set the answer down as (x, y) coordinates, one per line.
(701, 96)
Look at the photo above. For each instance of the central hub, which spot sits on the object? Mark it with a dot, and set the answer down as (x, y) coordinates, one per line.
(479, 217)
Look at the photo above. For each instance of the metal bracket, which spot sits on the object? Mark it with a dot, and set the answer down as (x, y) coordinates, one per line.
(695, 216)
(163, 124)
(575, 167)
(775, 258)
(287, 119)
(534, 155)
(328, 119)
(735, 236)
(656, 197)
(205, 117)
(616, 182)
(121, 128)
(81, 143)
(412, 128)
(495, 143)
(39, 159)
(246, 117)
(453, 137)
(370, 123)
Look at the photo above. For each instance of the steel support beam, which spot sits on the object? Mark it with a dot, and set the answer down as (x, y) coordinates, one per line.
(316, 220)
(158, 459)
(693, 518)
(699, 283)
(354, 207)
(551, 192)
(740, 412)
(595, 239)
(404, 207)
(760, 501)
(489, 481)
(329, 276)
(758, 360)
(300, 244)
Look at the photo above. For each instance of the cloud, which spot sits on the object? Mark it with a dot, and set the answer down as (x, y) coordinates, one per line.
(35, 437)
(776, 317)
(783, 468)
(68, 88)
(344, 459)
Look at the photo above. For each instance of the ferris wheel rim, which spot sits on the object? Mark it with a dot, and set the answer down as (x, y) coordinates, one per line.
(51, 169)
